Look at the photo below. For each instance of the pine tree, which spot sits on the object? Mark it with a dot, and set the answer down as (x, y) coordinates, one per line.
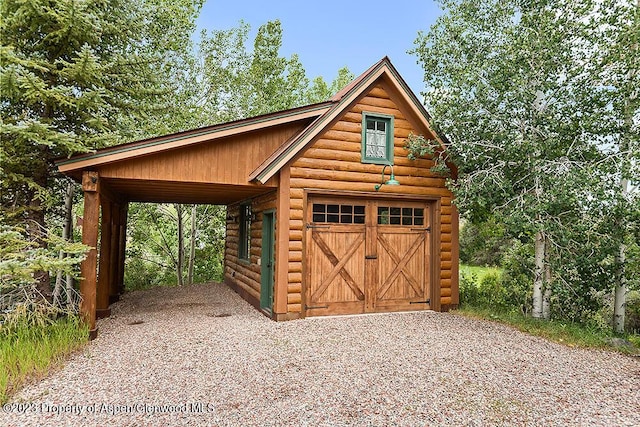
(76, 76)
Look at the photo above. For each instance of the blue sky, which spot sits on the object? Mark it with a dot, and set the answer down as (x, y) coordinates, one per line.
(330, 34)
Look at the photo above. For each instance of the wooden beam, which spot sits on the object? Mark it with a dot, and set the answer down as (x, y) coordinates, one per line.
(371, 257)
(122, 231)
(114, 253)
(104, 273)
(88, 282)
(282, 243)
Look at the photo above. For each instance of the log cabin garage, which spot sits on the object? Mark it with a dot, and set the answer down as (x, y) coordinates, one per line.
(326, 213)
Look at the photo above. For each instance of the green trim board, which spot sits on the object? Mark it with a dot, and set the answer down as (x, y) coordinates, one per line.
(244, 232)
(267, 261)
(377, 138)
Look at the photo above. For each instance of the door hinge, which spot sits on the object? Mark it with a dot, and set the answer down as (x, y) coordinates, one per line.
(420, 302)
(421, 229)
(312, 307)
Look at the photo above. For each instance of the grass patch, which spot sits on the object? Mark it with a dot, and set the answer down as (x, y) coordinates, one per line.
(570, 334)
(479, 272)
(29, 352)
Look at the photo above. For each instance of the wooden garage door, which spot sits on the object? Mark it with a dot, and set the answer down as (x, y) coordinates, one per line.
(366, 256)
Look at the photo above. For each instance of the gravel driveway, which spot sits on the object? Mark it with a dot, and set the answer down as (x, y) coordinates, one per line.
(200, 355)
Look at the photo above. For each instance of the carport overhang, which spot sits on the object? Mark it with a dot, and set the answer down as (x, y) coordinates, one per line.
(203, 166)
(106, 202)
(185, 192)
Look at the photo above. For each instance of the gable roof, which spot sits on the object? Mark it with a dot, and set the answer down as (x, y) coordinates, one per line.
(319, 117)
(341, 102)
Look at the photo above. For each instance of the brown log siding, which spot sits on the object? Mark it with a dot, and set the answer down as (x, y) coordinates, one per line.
(333, 162)
(241, 274)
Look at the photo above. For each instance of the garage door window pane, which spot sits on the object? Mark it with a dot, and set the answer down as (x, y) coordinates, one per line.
(383, 215)
(338, 214)
(393, 215)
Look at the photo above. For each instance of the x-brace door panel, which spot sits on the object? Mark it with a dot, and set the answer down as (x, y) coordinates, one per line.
(337, 270)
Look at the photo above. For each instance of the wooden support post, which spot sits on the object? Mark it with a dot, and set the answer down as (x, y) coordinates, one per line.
(88, 283)
(122, 232)
(114, 253)
(371, 257)
(282, 245)
(104, 274)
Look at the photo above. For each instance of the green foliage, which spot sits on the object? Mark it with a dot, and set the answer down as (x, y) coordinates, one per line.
(483, 243)
(153, 248)
(21, 257)
(319, 91)
(238, 82)
(76, 76)
(29, 350)
(484, 287)
(633, 312)
(539, 103)
(420, 147)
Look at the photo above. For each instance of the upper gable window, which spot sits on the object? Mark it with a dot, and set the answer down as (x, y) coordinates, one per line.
(377, 138)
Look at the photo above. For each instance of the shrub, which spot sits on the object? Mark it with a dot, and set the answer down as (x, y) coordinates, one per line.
(483, 243)
(632, 312)
(468, 290)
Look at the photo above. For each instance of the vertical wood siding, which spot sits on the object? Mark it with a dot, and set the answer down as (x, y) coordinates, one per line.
(226, 161)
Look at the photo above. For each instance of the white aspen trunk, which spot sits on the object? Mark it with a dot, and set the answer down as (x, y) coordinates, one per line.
(192, 243)
(180, 263)
(69, 290)
(620, 296)
(620, 299)
(546, 297)
(66, 235)
(57, 288)
(538, 280)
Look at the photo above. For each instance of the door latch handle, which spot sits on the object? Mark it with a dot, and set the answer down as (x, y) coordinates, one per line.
(371, 257)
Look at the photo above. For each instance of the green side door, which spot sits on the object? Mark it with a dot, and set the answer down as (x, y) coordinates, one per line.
(267, 261)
